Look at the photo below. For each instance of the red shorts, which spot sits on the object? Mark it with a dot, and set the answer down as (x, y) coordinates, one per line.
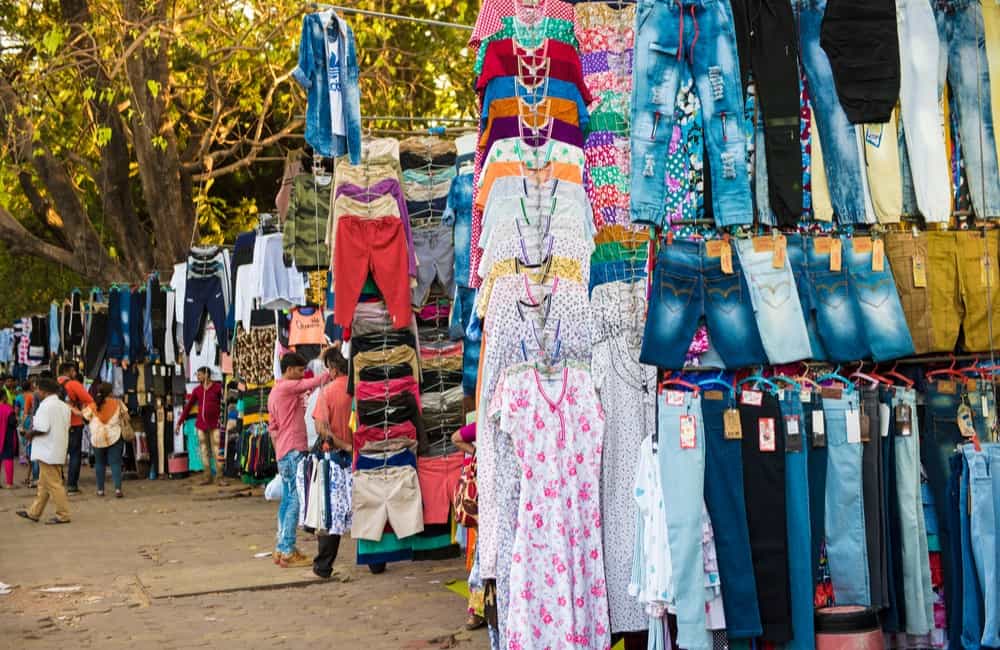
(438, 481)
(366, 434)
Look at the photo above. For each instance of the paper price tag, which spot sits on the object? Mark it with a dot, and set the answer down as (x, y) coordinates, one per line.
(919, 271)
(822, 245)
(714, 395)
(862, 245)
(751, 397)
(779, 255)
(793, 434)
(854, 427)
(763, 244)
(878, 255)
(819, 429)
(713, 248)
(726, 261)
(765, 428)
(688, 440)
(947, 387)
(904, 424)
(675, 398)
(733, 427)
(806, 395)
(836, 254)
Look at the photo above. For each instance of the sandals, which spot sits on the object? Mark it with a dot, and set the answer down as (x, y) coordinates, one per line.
(56, 520)
(24, 513)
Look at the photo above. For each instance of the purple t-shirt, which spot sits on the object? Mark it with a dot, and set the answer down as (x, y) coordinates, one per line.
(511, 127)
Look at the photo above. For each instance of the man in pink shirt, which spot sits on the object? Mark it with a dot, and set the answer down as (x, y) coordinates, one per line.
(286, 407)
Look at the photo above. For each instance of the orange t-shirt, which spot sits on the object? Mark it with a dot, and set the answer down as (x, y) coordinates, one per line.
(560, 170)
(334, 408)
(307, 327)
(77, 397)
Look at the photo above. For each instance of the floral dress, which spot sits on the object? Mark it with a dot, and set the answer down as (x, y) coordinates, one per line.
(558, 597)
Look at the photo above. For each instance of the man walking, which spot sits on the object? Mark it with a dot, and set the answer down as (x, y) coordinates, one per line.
(49, 440)
(208, 396)
(77, 398)
(287, 410)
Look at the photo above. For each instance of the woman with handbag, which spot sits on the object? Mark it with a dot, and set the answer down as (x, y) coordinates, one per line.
(465, 505)
(110, 425)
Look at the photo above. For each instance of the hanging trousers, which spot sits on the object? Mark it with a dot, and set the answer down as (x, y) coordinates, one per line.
(767, 43)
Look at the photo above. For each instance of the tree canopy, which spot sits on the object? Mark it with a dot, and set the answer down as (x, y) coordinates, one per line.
(130, 128)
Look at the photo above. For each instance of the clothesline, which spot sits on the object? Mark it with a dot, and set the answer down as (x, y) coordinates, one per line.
(380, 14)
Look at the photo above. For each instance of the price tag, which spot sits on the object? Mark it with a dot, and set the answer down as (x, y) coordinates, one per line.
(779, 255)
(751, 397)
(726, 261)
(878, 255)
(765, 427)
(904, 423)
(733, 427)
(806, 395)
(819, 429)
(985, 406)
(675, 398)
(822, 245)
(763, 244)
(854, 427)
(793, 434)
(862, 245)
(832, 392)
(836, 254)
(713, 248)
(687, 432)
(919, 271)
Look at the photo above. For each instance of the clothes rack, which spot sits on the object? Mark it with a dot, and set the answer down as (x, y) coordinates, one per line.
(380, 14)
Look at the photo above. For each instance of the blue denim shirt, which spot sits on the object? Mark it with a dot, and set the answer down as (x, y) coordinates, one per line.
(313, 72)
(458, 213)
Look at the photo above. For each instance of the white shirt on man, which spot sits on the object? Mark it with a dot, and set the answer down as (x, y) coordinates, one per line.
(52, 419)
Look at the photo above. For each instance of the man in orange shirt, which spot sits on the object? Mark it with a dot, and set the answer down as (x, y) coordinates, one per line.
(332, 415)
(77, 397)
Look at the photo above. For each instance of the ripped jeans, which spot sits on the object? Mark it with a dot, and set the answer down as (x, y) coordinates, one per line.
(674, 37)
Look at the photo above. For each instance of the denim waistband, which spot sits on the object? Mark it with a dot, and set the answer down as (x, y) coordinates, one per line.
(678, 3)
(847, 402)
(692, 256)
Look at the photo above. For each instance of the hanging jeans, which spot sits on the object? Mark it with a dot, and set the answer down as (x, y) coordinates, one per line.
(845, 511)
(881, 312)
(725, 502)
(800, 272)
(673, 37)
(894, 614)
(982, 468)
(817, 455)
(684, 468)
(118, 323)
(918, 594)
(873, 485)
(767, 40)
(841, 159)
(920, 109)
(961, 550)
(799, 530)
(963, 63)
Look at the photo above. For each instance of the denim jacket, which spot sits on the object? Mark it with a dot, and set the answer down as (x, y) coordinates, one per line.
(312, 72)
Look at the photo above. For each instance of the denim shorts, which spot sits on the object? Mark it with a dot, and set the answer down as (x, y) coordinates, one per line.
(688, 284)
(838, 318)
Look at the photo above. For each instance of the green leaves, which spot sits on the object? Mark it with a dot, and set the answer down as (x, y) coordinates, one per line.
(52, 40)
(153, 86)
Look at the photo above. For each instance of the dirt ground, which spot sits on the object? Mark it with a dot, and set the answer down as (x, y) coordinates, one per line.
(172, 566)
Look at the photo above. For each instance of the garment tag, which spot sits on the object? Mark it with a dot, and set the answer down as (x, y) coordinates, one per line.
(763, 244)
(687, 432)
(919, 271)
(793, 434)
(733, 428)
(832, 392)
(836, 254)
(765, 427)
(779, 255)
(806, 395)
(904, 423)
(864, 422)
(862, 245)
(878, 255)
(751, 397)
(819, 429)
(985, 407)
(854, 427)
(714, 395)
(713, 247)
(675, 398)
(822, 245)
(965, 425)
(947, 387)
(726, 261)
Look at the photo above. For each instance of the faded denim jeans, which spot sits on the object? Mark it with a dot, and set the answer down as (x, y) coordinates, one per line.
(288, 509)
(675, 38)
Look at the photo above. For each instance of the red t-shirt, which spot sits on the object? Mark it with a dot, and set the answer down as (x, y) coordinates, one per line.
(77, 397)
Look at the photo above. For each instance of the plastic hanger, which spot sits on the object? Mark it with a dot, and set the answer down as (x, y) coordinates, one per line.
(788, 380)
(677, 381)
(872, 379)
(758, 378)
(806, 379)
(895, 374)
(950, 371)
(836, 376)
(718, 381)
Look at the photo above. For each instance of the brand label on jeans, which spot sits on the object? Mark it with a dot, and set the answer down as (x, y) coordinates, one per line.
(751, 397)
(687, 432)
(862, 245)
(904, 424)
(713, 248)
(763, 244)
(947, 387)
(765, 428)
(832, 392)
(733, 427)
(714, 395)
(853, 418)
(819, 429)
(675, 398)
(793, 434)
(836, 254)
(822, 245)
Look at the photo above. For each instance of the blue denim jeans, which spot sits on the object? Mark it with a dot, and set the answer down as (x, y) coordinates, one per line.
(991, 635)
(878, 301)
(918, 594)
(288, 509)
(841, 156)
(846, 549)
(799, 530)
(796, 252)
(939, 435)
(684, 469)
(963, 60)
(983, 535)
(972, 595)
(461, 315)
(776, 305)
(725, 501)
(983, 408)
(686, 285)
(109, 456)
(838, 317)
(667, 49)
(817, 460)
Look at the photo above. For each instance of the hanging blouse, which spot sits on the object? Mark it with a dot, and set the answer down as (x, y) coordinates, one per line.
(538, 90)
(516, 150)
(565, 243)
(534, 177)
(531, 36)
(564, 109)
(493, 13)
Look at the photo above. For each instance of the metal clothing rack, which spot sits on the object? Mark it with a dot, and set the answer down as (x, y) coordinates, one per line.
(380, 14)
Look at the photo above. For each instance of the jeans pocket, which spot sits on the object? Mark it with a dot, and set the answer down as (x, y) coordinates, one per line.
(725, 292)
(875, 290)
(675, 292)
(830, 289)
(773, 288)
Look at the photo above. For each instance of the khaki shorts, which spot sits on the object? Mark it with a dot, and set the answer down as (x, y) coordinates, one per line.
(904, 252)
(957, 282)
(387, 495)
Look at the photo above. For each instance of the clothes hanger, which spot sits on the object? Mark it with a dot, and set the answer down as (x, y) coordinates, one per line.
(836, 376)
(895, 374)
(668, 380)
(950, 371)
(793, 383)
(873, 381)
(758, 378)
(718, 381)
